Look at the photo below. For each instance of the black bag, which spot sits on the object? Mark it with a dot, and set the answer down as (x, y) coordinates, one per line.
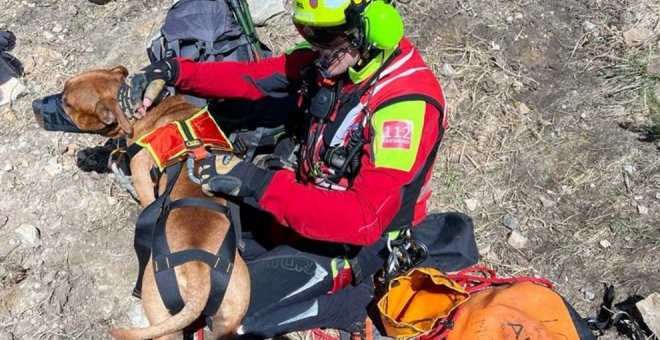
(7, 43)
(203, 30)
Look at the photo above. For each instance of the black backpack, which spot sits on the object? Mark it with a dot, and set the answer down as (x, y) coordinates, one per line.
(203, 30)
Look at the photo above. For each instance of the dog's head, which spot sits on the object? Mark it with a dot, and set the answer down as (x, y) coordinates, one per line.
(88, 104)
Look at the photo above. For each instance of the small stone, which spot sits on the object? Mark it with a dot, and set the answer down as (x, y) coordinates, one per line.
(30, 235)
(518, 16)
(517, 240)
(510, 222)
(588, 26)
(500, 77)
(642, 210)
(53, 169)
(589, 295)
(547, 203)
(629, 168)
(495, 46)
(523, 109)
(3, 221)
(637, 35)
(58, 28)
(471, 204)
(650, 310)
(447, 70)
(657, 196)
(509, 19)
(48, 35)
(639, 198)
(605, 244)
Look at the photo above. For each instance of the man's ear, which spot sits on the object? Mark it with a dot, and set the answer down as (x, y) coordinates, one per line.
(109, 111)
(121, 70)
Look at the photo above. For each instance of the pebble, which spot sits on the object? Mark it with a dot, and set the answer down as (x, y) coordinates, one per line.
(510, 221)
(3, 220)
(509, 19)
(447, 70)
(657, 196)
(58, 28)
(605, 244)
(523, 109)
(500, 77)
(518, 16)
(637, 198)
(53, 168)
(642, 210)
(29, 234)
(517, 240)
(589, 295)
(588, 26)
(471, 204)
(547, 203)
(495, 46)
(48, 35)
(629, 168)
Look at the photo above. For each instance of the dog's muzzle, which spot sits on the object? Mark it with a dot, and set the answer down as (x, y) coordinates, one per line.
(50, 115)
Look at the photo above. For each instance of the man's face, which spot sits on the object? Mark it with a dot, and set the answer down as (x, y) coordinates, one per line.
(339, 57)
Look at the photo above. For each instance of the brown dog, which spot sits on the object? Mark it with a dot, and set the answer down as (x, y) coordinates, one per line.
(90, 102)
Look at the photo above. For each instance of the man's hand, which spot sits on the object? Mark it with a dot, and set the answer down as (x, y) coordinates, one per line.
(147, 86)
(225, 174)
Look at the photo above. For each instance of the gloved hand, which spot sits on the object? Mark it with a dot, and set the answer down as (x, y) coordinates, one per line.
(147, 86)
(226, 174)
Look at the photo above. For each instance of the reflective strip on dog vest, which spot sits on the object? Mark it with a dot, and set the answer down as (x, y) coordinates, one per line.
(173, 140)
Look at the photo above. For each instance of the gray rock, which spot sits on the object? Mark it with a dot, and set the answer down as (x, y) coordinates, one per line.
(588, 26)
(263, 10)
(629, 169)
(471, 204)
(447, 70)
(517, 240)
(500, 77)
(650, 310)
(642, 210)
(589, 295)
(58, 28)
(510, 222)
(605, 244)
(29, 235)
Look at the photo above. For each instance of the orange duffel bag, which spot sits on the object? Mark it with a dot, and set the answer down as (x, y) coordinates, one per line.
(475, 304)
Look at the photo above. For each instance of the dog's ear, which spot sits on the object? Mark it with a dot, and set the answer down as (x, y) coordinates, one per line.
(121, 70)
(109, 111)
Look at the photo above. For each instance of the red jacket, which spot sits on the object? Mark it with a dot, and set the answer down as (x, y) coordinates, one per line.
(392, 187)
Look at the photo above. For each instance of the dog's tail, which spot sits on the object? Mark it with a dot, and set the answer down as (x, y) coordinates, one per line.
(194, 305)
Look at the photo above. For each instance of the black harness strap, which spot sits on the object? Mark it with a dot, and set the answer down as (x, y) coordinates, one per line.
(144, 227)
(164, 261)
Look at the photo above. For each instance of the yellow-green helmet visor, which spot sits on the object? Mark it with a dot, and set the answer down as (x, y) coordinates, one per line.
(320, 13)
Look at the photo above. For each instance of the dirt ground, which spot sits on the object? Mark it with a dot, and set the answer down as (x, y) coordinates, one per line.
(554, 106)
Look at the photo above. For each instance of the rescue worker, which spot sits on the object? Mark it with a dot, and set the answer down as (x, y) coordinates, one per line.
(372, 119)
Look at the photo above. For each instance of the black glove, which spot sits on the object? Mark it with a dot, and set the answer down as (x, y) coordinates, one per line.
(147, 86)
(226, 174)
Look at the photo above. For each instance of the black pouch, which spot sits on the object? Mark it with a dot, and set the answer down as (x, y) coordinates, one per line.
(450, 240)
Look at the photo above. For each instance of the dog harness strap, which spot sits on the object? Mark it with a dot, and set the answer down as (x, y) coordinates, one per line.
(164, 261)
(146, 222)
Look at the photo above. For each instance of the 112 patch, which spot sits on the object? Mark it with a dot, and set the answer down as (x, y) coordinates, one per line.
(397, 134)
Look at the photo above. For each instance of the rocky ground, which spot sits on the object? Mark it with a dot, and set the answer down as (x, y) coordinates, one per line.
(554, 109)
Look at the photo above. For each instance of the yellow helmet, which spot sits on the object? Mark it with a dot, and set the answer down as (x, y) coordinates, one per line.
(375, 22)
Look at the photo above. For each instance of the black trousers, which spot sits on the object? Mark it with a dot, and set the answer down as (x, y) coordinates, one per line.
(290, 282)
